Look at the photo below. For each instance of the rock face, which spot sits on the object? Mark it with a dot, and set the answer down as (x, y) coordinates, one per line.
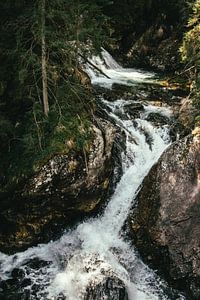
(165, 223)
(110, 288)
(68, 187)
(187, 113)
(157, 48)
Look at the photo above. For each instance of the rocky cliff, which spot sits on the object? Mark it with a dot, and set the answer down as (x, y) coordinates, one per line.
(165, 222)
(67, 188)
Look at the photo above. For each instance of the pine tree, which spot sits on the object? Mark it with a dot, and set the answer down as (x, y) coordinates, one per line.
(44, 59)
(40, 44)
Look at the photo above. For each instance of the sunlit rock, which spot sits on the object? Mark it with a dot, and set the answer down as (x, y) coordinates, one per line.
(65, 189)
(165, 223)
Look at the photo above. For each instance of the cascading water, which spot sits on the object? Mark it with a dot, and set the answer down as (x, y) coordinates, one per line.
(115, 72)
(96, 249)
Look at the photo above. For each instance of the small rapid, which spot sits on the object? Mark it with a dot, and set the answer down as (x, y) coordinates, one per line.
(114, 72)
(98, 247)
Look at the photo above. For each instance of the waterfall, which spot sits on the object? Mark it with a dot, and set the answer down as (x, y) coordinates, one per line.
(115, 72)
(97, 248)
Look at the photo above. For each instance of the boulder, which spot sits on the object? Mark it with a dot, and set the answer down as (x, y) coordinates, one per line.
(111, 288)
(157, 119)
(67, 188)
(186, 114)
(133, 110)
(165, 223)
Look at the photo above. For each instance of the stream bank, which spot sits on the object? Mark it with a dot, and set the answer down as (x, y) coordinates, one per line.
(66, 189)
(94, 253)
(165, 221)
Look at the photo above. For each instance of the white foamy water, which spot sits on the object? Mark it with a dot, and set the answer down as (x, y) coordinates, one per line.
(163, 111)
(115, 72)
(96, 248)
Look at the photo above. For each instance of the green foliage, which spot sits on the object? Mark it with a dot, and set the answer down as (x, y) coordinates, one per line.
(27, 137)
(37, 138)
(190, 51)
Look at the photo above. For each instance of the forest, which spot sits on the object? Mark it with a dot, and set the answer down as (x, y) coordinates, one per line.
(62, 150)
(42, 101)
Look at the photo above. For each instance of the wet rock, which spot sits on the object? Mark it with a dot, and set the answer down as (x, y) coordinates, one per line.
(21, 286)
(11, 289)
(118, 91)
(67, 188)
(157, 119)
(133, 110)
(107, 94)
(124, 89)
(165, 222)
(159, 93)
(111, 288)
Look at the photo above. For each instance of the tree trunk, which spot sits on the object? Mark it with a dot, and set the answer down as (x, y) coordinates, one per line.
(44, 61)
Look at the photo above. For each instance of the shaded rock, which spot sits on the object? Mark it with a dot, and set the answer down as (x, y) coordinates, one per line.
(124, 89)
(159, 93)
(68, 187)
(20, 286)
(70, 173)
(165, 223)
(157, 119)
(111, 288)
(133, 110)
(186, 115)
(118, 91)
(156, 50)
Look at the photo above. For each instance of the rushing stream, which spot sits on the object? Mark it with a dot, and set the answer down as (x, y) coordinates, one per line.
(97, 248)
